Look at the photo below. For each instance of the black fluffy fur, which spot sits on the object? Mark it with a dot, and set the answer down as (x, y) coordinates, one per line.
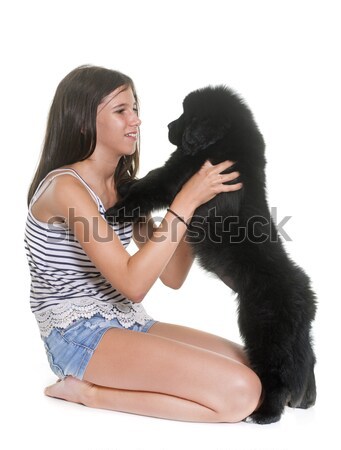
(234, 237)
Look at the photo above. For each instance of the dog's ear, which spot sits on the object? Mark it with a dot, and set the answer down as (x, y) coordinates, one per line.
(200, 134)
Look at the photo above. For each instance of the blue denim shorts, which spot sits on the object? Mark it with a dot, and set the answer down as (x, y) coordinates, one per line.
(69, 350)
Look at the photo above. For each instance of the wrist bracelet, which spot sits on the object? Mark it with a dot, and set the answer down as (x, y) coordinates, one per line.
(176, 215)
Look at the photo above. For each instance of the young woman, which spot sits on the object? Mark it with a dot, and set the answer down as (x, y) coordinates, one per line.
(87, 289)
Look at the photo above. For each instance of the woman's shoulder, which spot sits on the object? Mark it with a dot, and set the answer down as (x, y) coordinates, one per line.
(62, 182)
(63, 190)
(69, 188)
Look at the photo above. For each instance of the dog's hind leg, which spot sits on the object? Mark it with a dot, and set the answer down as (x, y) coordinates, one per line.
(309, 397)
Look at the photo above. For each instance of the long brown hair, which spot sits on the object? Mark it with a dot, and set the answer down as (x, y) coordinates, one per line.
(71, 127)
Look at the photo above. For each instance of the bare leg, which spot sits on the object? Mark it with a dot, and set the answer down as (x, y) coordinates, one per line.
(157, 376)
(144, 403)
(200, 339)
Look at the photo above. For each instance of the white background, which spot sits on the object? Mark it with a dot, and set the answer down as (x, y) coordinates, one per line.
(282, 56)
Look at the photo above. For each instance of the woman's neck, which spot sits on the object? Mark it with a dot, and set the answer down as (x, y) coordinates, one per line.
(99, 175)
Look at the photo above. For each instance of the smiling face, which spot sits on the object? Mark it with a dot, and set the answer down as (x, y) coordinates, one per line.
(117, 123)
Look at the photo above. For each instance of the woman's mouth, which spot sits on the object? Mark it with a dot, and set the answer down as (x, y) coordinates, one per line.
(132, 135)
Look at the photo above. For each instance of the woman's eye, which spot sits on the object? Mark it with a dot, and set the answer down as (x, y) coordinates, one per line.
(121, 111)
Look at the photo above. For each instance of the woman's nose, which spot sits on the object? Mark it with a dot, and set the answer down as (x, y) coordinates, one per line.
(135, 120)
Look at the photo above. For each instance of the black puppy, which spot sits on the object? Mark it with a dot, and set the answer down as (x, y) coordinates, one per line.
(234, 237)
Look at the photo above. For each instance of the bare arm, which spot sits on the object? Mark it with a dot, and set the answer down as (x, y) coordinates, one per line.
(176, 271)
(134, 275)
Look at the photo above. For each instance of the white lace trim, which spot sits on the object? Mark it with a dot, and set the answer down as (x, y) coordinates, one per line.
(61, 316)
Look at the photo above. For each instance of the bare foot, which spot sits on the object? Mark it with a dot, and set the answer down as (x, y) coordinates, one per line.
(70, 389)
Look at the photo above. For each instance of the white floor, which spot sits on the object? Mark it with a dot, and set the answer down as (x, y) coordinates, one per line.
(39, 422)
(44, 423)
(51, 424)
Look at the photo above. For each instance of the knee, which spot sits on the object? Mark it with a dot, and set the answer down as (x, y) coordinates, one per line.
(241, 398)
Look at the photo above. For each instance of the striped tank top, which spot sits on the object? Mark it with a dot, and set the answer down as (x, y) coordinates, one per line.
(65, 284)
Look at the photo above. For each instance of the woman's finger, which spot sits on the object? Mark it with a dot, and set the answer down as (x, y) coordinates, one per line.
(230, 176)
(231, 187)
(223, 166)
(207, 164)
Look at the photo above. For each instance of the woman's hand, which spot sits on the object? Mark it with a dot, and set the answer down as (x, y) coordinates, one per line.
(208, 182)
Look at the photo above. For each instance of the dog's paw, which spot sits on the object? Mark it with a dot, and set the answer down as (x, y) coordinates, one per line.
(262, 418)
(122, 212)
(306, 402)
(308, 397)
(270, 411)
(124, 188)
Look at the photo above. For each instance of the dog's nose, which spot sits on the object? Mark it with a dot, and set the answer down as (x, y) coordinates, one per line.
(170, 125)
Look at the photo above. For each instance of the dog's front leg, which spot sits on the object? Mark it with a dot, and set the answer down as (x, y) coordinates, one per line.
(154, 191)
(143, 196)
